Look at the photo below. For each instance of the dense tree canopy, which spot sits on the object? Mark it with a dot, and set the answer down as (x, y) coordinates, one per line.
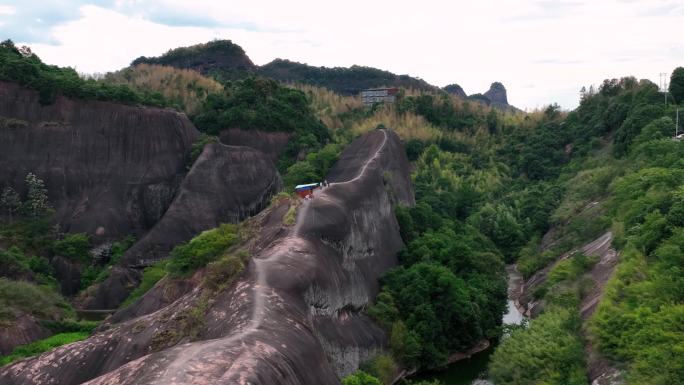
(677, 84)
(24, 67)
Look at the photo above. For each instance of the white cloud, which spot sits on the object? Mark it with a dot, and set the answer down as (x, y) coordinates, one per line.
(7, 10)
(542, 51)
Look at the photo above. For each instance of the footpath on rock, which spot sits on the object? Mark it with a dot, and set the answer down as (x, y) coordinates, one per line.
(293, 318)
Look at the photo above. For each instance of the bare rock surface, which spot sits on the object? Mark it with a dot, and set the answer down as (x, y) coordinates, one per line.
(293, 317)
(497, 94)
(68, 274)
(600, 371)
(25, 329)
(110, 169)
(226, 184)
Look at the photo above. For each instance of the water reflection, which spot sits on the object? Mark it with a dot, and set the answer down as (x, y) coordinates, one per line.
(512, 316)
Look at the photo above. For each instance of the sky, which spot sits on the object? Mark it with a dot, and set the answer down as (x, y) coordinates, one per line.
(542, 51)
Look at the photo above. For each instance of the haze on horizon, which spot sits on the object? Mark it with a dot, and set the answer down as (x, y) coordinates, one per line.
(542, 51)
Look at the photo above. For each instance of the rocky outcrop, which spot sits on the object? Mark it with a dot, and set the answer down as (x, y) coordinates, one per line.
(225, 185)
(497, 94)
(272, 144)
(599, 370)
(495, 97)
(110, 169)
(293, 318)
(23, 330)
(455, 89)
(68, 274)
(600, 273)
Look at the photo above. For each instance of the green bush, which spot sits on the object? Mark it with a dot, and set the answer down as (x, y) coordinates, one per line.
(22, 66)
(570, 269)
(360, 378)
(586, 186)
(549, 351)
(677, 84)
(70, 326)
(39, 301)
(383, 368)
(41, 346)
(204, 248)
(151, 275)
(74, 246)
(223, 272)
(414, 148)
(31, 235)
(499, 223)
(198, 146)
(13, 263)
(438, 308)
(258, 103)
(314, 168)
(98, 273)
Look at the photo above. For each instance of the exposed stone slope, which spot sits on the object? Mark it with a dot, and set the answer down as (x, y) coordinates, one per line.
(110, 169)
(293, 318)
(24, 330)
(497, 94)
(226, 184)
(600, 370)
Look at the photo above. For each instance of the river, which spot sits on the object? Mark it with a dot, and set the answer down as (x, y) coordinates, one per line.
(473, 370)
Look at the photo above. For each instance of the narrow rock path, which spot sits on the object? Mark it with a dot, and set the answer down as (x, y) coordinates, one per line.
(187, 360)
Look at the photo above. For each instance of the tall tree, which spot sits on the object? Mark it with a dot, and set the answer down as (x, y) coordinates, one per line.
(677, 84)
(10, 202)
(36, 198)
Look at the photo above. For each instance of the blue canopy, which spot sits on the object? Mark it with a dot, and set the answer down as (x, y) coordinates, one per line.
(309, 186)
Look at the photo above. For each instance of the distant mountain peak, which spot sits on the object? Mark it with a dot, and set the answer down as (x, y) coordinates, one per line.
(497, 94)
(206, 58)
(455, 89)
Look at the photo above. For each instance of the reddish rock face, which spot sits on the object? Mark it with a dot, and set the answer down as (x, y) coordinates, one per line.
(497, 94)
(25, 329)
(226, 184)
(293, 317)
(110, 169)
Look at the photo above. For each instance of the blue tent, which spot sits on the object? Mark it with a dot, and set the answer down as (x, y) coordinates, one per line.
(305, 187)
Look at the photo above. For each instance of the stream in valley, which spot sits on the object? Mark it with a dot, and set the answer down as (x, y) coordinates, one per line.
(473, 370)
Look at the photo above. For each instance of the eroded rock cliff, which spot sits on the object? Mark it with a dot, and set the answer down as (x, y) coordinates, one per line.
(110, 169)
(225, 185)
(292, 318)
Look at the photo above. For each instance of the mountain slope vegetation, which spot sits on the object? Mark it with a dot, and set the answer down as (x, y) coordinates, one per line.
(634, 167)
(183, 89)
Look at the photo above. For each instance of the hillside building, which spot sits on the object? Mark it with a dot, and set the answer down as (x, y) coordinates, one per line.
(379, 95)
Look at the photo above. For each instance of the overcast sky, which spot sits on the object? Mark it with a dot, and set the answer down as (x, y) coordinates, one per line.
(542, 51)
